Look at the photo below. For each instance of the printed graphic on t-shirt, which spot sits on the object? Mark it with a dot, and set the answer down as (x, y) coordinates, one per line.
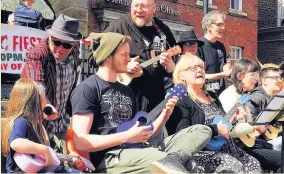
(220, 54)
(120, 107)
(159, 43)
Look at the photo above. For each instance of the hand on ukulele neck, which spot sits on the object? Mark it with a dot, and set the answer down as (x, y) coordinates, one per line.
(240, 116)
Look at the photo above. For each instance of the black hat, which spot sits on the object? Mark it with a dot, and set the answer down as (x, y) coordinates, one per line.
(65, 28)
(189, 36)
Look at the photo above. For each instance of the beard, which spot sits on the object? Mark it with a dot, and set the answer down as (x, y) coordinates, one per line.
(141, 22)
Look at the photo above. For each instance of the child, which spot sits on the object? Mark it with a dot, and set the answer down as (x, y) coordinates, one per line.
(23, 131)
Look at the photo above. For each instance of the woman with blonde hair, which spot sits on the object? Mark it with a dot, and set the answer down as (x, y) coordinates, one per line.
(23, 131)
(200, 108)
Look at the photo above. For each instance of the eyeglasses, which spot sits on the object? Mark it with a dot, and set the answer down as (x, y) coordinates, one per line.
(142, 7)
(221, 24)
(195, 67)
(64, 44)
(278, 78)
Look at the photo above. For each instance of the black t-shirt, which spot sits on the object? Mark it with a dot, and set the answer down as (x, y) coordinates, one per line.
(149, 89)
(111, 103)
(214, 56)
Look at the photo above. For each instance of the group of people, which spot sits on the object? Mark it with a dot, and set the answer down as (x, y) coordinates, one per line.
(100, 104)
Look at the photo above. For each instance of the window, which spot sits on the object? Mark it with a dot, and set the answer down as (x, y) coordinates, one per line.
(280, 12)
(209, 1)
(236, 52)
(236, 5)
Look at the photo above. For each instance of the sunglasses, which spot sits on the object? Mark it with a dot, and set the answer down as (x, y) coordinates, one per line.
(64, 44)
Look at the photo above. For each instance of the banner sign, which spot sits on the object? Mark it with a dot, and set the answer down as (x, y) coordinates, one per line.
(16, 41)
(40, 5)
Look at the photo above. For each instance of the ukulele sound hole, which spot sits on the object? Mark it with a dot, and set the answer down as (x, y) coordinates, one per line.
(142, 121)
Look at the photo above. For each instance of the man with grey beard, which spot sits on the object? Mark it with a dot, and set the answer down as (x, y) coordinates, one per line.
(149, 35)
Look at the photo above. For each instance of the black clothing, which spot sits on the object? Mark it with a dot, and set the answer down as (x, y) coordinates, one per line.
(229, 158)
(259, 101)
(111, 103)
(187, 113)
(214, 57)
(149, 89)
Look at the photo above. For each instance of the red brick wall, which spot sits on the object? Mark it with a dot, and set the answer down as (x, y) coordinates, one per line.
(240, 31)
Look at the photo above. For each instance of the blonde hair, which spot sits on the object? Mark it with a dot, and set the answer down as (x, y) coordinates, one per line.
(210, 18)
(25, 101)
(185, 61)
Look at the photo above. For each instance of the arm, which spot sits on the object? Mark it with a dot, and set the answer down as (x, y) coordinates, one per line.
(23, 145)
(164, 116)
(217, 76)
(86, 142)
(84, 101)
(33, 68)
(256, 104)
(19, 142)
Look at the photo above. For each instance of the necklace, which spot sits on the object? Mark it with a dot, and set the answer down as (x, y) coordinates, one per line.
(195, 97)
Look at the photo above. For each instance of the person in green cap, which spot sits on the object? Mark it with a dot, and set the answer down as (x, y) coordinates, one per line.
(100, 104)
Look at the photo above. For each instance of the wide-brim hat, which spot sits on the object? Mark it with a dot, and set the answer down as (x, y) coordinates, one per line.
(65, 28)
(189, 36)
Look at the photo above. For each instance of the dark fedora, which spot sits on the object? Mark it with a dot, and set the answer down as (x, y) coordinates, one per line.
(189, 36)
(65, 28)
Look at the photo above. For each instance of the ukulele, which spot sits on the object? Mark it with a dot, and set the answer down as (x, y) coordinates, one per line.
(34, 163)
(126, 78)
(145, 118)
(272, 131)
(217, 142)
(70, 147)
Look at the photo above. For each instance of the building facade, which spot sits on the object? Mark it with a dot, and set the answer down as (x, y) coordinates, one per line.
(271, 31)
(180, 15)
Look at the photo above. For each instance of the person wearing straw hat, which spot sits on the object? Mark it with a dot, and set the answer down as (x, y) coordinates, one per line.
(189, 42)
(100, 104)
(54, 64)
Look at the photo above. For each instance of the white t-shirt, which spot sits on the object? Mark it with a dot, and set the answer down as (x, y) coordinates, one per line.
(229, 97)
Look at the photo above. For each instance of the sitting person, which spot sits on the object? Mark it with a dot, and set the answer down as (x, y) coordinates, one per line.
(100, 104)
(23, 131)
(244, 77)
(24, 15)
(200, 108)
(270, 82)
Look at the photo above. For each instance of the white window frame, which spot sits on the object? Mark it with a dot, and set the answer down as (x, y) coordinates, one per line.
(209, 2)
(233, 52)
(280, 12)
(240, 4)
